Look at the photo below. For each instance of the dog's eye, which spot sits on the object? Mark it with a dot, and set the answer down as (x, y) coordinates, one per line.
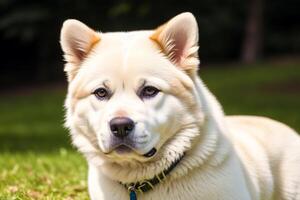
(101, 93)
(148, 92)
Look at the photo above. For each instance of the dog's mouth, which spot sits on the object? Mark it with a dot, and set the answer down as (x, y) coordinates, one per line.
(129, 146)
(124, 149)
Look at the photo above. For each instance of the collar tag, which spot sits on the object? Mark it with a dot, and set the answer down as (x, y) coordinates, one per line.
(132, 193)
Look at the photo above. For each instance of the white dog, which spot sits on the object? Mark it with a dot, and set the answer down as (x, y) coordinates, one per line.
(150, 129)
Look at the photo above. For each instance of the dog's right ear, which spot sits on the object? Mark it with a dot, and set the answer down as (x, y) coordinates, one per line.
(77, 40)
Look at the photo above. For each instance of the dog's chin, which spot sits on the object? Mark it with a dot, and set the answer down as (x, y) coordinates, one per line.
(124, 153)
(123, 149)
(130, 148)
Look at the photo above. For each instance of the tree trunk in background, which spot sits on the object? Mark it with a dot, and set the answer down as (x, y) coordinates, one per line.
(252, 44)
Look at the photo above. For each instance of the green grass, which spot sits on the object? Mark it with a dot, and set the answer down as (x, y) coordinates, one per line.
(265, 89)
(38, 162)
(36, 158)
(47, 175)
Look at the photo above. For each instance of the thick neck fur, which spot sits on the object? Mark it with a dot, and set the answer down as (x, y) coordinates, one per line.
(208, 148)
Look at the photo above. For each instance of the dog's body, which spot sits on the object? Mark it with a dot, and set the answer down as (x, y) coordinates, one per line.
(150, 78)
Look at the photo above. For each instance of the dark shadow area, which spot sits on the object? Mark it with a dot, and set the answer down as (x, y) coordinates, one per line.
(29, 30)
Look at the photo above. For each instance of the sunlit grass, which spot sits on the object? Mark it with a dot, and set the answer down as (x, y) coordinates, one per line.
(34, 175)
(38, 162)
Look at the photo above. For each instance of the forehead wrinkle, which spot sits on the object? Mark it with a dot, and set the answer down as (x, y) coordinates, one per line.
(106, 83)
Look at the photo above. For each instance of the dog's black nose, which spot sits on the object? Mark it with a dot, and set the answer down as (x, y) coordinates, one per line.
(121, 126)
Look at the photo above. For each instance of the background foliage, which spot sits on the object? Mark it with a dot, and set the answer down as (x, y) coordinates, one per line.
(29, 29)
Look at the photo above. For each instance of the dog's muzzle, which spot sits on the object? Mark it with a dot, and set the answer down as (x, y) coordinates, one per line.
(122, 128)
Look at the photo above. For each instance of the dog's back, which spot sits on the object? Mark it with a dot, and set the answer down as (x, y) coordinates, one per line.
(270, 153)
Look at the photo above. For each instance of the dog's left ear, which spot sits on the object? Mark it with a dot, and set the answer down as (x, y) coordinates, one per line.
(77, 40)
(178, 40)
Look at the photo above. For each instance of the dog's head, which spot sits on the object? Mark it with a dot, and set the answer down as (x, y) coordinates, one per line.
(131, 96)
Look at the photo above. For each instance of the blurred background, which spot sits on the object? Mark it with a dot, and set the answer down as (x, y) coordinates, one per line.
(250, 59)
(230, 30)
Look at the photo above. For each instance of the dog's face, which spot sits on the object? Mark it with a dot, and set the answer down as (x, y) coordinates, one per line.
(131, 94)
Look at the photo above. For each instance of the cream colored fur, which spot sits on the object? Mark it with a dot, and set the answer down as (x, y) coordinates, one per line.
(226, 158)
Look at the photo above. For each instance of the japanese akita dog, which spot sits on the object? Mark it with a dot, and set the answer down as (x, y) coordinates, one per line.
(150, 129)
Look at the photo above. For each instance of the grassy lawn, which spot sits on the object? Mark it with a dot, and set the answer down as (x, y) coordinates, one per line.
(36, 158)
(38, 162)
